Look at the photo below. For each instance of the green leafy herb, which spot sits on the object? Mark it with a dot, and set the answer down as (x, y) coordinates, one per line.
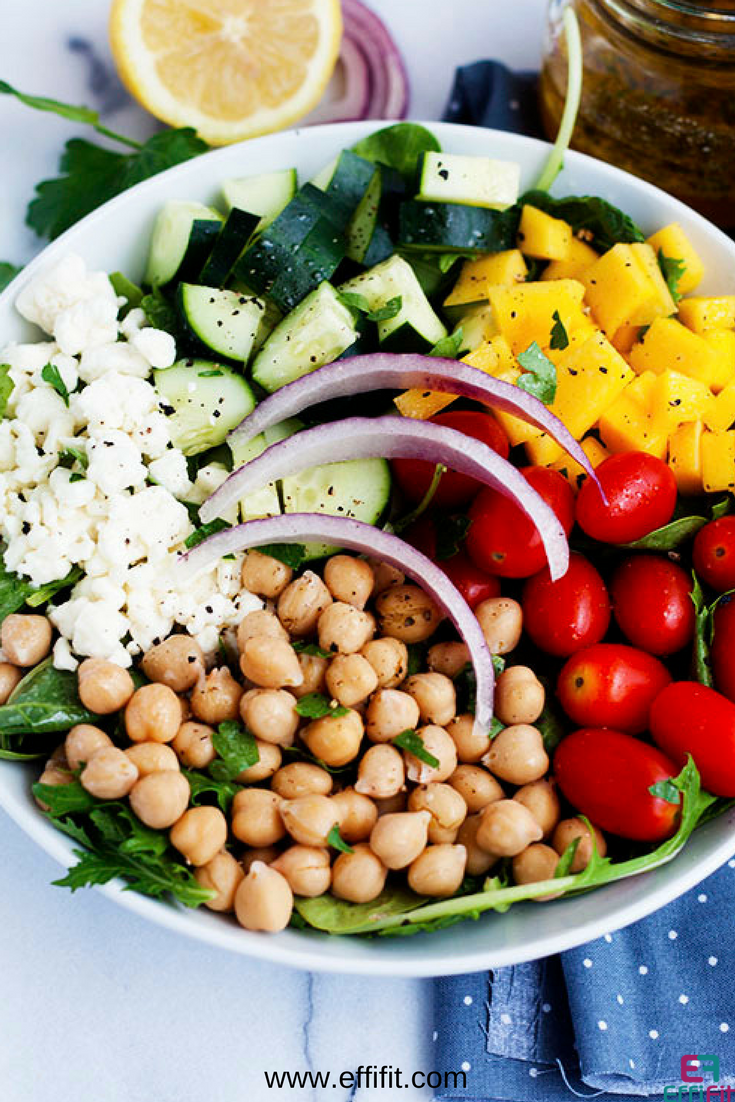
(666, 790)
(209, 374)
(13, 592)
(495, 728)
(123, 286)
(52, 376)
(6, 387)
(69, 456)
(355, 301)
(446, 261)
(498, 664)
(539, 376)
(567, 859)
(559, 338)
(416, 658)
(448, 347)
(412, 742)
(335, 839)
(702, 635)
(76, 477)
(66, 111)
(312, 649)
(44, 593)
(290, 554)
(206, 530)
(551, 723)
(237, 750)
(159, 312)
(317, 705)
(65, 799)
(450, 535)
(335, 916)
(465, 686)
(672, 269)
(603, 223)
(721, 508)
(8, 272)
(669, 537)
(44, 701)
(201, 785)
(399, 146)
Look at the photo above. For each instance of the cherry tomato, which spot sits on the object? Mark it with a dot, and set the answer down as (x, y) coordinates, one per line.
(714, 553)
(607, 775)
(502, 540)
(422, 535)
(564, 616)
(641, 495)
(455, 490)
(611, 685)
(689, 718)
(474, 584)
(652, 603)
(722, 651)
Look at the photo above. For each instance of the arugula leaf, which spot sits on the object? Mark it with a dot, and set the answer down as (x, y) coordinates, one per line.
(121, 285)
(559, 338)
(237, 750)
(448, 347)
(44, 701)
(703, 633)
(567, 858)
(551, 721)
(539, 377)
(8, 272)
(206, 530)
(45, 592)
(356, 301)
(412, 742)
(291, 554)
(6, 386)
(669, 537)
(201, 785)
(450, 535)
(672, 269)
(336, 916)
(52, 376)
(666, 790)
(13, 592)
(496, 727)
(317, 705)
(335, 839)
(603, 224)
(721, 508)
(399, 146)
(159, 312)
(446, 261)
(64, 799)
(312, 649)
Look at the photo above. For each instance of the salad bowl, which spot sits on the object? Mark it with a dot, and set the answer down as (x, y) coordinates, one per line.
(116, 237)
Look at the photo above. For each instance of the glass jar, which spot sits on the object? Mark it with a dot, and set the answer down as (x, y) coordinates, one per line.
(658, 96)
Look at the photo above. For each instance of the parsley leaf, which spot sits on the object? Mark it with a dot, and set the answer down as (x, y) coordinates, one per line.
(312, 649)
(206, 530)
(6, 387)
(237, 750)
(65, 110)
(539, 376)
(448, 347)
(559, 338)
(412, 742)
(69, 456)
(317, 705)
(672, 269)
(450, 535)
(8, 272)
(159, 312)
(336, 841)
(200, 785)
(382, 313)
(290, 554)
(52, 376)
(666, 790)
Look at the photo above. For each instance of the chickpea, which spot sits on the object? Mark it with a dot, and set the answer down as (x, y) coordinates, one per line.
(25, 640)
(109, 774)
(358, 877)
(302, 603)
(517, 754)
(193, 745)
(309, 819)
(448, 658)
(264, 575)
(389, 713)
(506, 828)
(270, 663)
(381, 772)
(389, 659)
(478, 860)
(266, 854)
(501, 620)
(434, 693)
(471, 742)
(153, 714)
(476, 786)
(307, 869)
(301, 778)
(314, 673)
(263, 900)
(186, 712)
(256, 817)
(439, 870)
(351, 679)
(177, 662)
(407, 613)
(437, 743)
(567, 831)
(199, 834)
(519, 696)
(152, 757)
(535, 864)
(104, 687)
(542, 801)
(385, 576)
(216, 697)
(9, 677)
(270, 714)
(349, 579)
(392, 804)
(445, 805)
(344, 629)
(398, 839)
(335, 740)
(221, 874)
(356, 814)
(159, 799)
(82, 742)
(259, 622)
(268, 763)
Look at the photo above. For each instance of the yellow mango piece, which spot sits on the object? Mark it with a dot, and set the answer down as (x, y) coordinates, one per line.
(573, 471)
(702, 313)
(578, 260)
(542, 450)
(722, 343)
(625, 287)
(626, 426)
(516, 429)
(685, 457)
(675, 398)
(477, 275)
(423, 404)
(721, 412)
(674, 243)
(664, 303)
(590, 377)
(543, 237)
(525, 313)
(718, 461)
(641, 389)
(668, 344)
(625, 338)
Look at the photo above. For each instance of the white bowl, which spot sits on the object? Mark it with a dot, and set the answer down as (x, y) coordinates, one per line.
(115, 237)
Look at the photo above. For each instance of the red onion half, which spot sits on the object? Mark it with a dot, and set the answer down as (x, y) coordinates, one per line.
(393, 438)
(348, 95)
(363, 538)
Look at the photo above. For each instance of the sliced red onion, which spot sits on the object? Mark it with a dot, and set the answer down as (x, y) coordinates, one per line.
(394, 438)
(363, 538)
(353, 99)
(389, 81)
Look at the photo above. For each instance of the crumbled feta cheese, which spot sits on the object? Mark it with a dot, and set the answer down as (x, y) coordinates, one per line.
(133, 321)
(86, 324)
(63, 658)
(61, 288)
(158, 347)
(171, 472)
(47, 416)
(117, 356)
(115, 462)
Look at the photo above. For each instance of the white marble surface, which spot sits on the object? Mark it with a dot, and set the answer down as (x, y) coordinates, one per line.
(96, 1005)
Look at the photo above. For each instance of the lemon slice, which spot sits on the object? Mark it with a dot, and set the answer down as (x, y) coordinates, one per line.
(230, 68)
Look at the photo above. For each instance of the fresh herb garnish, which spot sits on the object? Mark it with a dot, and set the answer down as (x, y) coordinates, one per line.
(666, 790)
(6, 387)
(125, 287)
(450, 535)
(159, 312)
(601, 222)
(8, 272)
(669, 537)
(672, 269)
(567, 858)
(311, 649)
(52, 376)
(69, 456)
(336, 841)
(704, 631)
(209, 374)
(206, 530)
(390, 310)
(45, 592)
(290, 554)
(448, 347)
(317, 705)
(412, 742)
(237, 750)
(539, 374)
(200, 785)
(559, 338)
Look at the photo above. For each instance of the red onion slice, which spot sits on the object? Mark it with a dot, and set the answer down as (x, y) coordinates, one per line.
(356, 536)
(389, 81)
(352, 84)
(393, 438)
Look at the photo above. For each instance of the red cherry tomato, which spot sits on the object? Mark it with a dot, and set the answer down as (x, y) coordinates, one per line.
(652, 603)
(714, 553)
(455, 490)
(689, 718)
(564, 616)
(611, 685)
(474, 584)
(641, 495)
(502, 540)
(722, 651)
(422, 535)
(607, 775)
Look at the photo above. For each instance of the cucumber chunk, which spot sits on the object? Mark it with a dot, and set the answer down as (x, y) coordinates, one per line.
(233, 238)
(224, 321)
(203, 401)
(474, 181)
(456, 228)
(416, 323)
(182, 238)
(265, 502)
(265, 195)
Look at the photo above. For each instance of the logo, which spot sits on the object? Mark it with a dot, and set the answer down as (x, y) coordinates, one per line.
(694, 1070)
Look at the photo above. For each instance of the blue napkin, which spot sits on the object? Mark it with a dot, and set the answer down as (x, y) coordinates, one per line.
(614, 1017)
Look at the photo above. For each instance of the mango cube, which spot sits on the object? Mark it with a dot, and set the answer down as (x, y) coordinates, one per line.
(625, 287)
(573, 471)
(423, 404)
(718, 461)
(685, 457)
(713, 312)
(626, 337)
(477, 275)
(578, 260)
(721, 412)
(525, 313)
(722, 343)
(669, 344)
(675, 398)
(590, 377)
(674, 244)
(543, 237)
(542, 450)
(626, 426)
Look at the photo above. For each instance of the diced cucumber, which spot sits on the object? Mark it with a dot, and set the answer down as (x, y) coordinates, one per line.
(475, 181)
(265, 502)
(224, 321)
(203, 401)
(456, 228)
(357, 488)
(478, 325)
(317, 332)
(265, 195)
(354, 186)
(416, 323)
(233, 238)
(182, 237)
(269, 318)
